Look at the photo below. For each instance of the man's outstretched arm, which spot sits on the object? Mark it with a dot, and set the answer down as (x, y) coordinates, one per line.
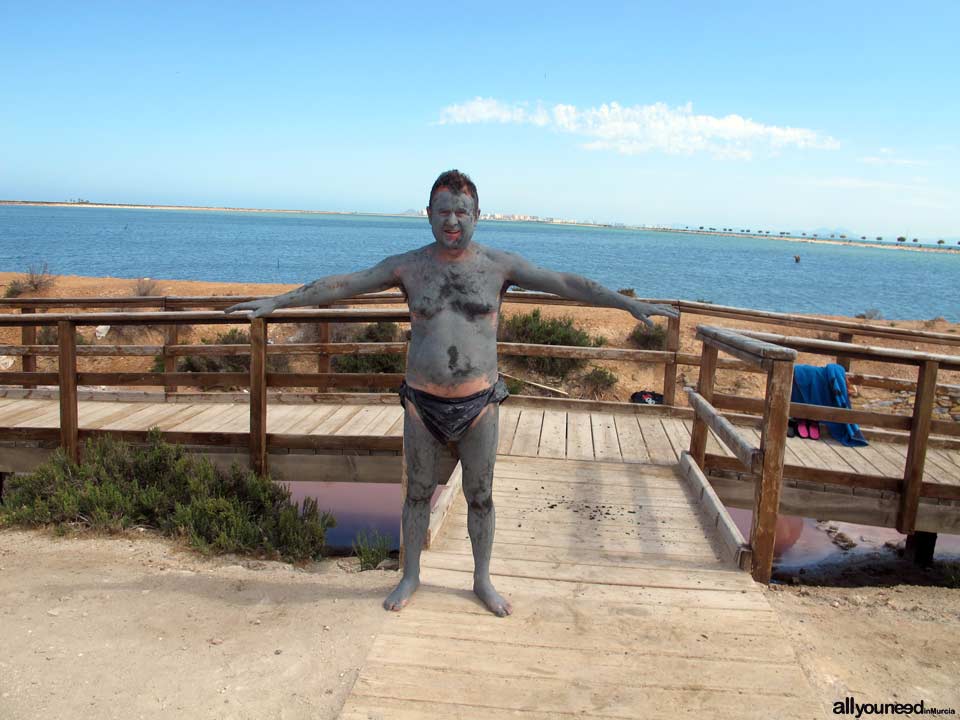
(576, 287)
(327, 289)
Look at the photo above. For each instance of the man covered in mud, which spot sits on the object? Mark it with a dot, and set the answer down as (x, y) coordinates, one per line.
(452, 389)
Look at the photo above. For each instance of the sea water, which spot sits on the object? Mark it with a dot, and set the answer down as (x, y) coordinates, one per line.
(298, 247)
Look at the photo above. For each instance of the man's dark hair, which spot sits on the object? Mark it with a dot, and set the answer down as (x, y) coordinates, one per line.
(456, 182)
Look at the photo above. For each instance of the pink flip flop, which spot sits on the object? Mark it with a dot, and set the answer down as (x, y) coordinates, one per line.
(814, 428)
(802, 429)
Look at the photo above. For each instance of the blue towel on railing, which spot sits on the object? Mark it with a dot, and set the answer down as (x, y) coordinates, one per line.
(827, 386)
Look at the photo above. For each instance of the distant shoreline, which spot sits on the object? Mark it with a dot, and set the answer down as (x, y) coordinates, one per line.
(646, 228)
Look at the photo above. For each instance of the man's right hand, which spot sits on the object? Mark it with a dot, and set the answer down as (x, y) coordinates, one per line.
(259, 307)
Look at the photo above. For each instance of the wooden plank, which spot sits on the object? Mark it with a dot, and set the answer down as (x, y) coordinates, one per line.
(143, 417)
(553, 436)
(725, 430)
(897, 454)
(67, 369)
(483, 658)
(527, 440)
(632, 447)
(475, 693)
(383, 424)
(670, 368)
(441, 509)
(582, 353)
(735, 638)
(509, 418)
(716, 580)
(664, 546)
(360, 423)
(716, 515)
(25, 409)
(705, 388)
(917, 446)
(606, 446)
(816, 412)
(657, 442)
(651, 555)
(330, 424)
(579, 436)
(750, 349)
(766, 505)
(677, 434)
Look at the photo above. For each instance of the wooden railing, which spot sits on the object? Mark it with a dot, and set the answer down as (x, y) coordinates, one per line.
(671, 357)
(766, 461)
(775, 354)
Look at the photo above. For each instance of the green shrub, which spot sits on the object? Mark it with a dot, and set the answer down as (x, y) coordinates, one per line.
(533, 328)
(375, 362)
(599, 380)
(514, 386)
(117, 486)
(649, 338)
(47, 335)
(372, 548)
(224, 363)
(15, 288)
(38, 280)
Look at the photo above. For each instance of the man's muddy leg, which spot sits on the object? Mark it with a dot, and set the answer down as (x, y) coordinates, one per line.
(478, 454)
(423, 454)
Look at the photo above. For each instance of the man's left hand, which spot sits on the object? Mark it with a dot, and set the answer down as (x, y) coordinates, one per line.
(640, 310)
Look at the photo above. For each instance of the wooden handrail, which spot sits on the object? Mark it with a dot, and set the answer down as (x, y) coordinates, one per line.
(749, 456)
(864, 352)
(752, 351)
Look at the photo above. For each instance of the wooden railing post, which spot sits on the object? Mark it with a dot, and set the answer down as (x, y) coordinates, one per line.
(844, 362)
(258, 395)
(67, 367)
(171, 338)
(323, 336)
(917, 447)
(670, 368)
(28, 336)
(773, 441)
(708, 373)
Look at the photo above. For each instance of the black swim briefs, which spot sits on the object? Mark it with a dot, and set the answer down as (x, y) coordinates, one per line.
(447, 419)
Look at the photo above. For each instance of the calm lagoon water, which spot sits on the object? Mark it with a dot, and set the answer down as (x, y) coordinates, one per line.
(297, 248)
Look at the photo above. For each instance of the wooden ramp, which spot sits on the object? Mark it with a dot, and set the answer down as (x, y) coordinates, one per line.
(623, 608)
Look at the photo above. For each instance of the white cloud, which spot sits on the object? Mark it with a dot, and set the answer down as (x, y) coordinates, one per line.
(886, 159)
(635, 129)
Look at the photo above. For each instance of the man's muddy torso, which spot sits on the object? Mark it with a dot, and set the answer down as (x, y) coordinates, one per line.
(454, 312)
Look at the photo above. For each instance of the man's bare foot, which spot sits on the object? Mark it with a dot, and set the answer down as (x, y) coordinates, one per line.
(494, 601)
(401, 594)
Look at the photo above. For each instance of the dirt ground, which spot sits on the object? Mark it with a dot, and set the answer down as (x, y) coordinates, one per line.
(883, 631)
(138, 627)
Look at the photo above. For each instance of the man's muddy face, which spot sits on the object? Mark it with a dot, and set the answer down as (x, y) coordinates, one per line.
(453, 219)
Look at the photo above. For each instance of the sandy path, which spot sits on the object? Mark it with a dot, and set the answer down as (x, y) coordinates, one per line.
(137, 627)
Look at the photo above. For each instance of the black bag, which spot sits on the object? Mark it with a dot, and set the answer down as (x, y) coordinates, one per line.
(647, 397)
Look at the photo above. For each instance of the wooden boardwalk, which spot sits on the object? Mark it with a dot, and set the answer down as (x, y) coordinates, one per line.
(524, 431)
(623, 609)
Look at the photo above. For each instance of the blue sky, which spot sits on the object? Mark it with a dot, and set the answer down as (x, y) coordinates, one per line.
(785, 116)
